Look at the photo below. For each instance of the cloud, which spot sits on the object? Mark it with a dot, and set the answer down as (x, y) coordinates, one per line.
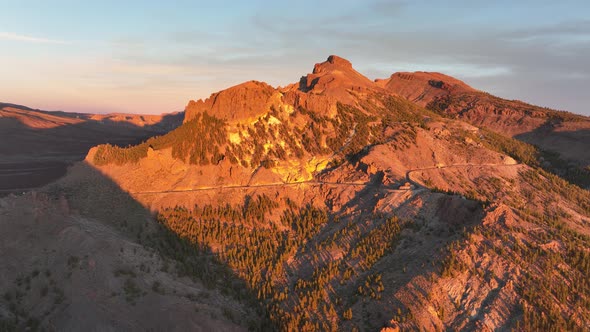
(578, 29)
(29, 39)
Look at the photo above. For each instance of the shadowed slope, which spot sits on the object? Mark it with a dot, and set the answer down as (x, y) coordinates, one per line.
(81, 254)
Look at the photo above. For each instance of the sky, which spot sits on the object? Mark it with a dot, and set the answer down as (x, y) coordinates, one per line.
(154, 56)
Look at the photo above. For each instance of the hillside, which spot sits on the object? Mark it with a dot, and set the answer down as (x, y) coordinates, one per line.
(562, 137)
(334, 203)
(65, 269)
(37, 146)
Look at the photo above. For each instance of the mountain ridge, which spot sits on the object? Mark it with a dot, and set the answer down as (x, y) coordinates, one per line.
(561, 134)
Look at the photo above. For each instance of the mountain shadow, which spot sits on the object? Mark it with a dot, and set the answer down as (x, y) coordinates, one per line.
(563, 153)
(101, 261)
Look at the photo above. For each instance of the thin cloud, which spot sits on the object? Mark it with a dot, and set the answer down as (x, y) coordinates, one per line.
(29, 39)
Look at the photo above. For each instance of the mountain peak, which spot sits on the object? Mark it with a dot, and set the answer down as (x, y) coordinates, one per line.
(331, 82)
(422, 87)
(335, 72)
(242, 101)
(333, 62)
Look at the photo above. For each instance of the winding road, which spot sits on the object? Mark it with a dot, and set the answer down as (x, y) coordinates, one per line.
(264, 185)
(409, 172)
(319, 183)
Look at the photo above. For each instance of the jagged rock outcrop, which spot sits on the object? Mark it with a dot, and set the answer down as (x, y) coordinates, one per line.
(331, 81)
(240, 102)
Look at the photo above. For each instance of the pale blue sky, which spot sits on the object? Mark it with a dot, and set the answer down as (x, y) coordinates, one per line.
(153, 56)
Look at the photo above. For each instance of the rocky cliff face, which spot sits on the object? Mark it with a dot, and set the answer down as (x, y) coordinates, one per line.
(241, 102)
(332, 81)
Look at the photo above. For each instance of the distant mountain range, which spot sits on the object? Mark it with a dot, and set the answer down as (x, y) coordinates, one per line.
(36, 146)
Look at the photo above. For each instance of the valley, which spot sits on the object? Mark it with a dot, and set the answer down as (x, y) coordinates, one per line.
(38, 146)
